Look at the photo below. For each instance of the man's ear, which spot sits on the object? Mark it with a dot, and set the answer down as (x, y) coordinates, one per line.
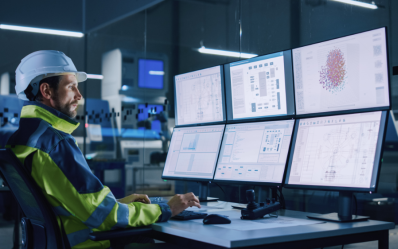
(45, 90)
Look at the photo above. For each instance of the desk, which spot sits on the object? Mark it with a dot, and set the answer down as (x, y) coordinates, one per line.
(196, 235)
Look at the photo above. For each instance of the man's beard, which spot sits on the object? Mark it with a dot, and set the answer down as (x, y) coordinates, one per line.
(65, 109)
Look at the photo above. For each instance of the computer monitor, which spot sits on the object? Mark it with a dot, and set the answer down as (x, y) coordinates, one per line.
(260, 87)
(199, 97)
(255, 153)
(344, 74)
(193, 153)
(150, 73)
(341, 153)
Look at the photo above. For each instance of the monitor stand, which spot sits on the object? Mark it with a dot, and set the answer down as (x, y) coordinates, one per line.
(203, 191)
(345, 211)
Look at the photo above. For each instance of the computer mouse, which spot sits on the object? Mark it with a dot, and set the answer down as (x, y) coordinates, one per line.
(216, 219)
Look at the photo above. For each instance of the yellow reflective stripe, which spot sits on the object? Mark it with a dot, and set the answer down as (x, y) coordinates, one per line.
(53, 182)
(32, 111)
(143, 214)
(22, 151)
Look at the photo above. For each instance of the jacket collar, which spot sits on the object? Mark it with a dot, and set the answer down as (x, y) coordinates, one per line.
(57, 119)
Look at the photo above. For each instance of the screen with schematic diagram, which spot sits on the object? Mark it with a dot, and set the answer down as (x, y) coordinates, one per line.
(255, 152)
(200, 97)
(260, 87)
(337, 151)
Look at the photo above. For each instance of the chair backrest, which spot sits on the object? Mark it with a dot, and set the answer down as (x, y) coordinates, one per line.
(43, 223)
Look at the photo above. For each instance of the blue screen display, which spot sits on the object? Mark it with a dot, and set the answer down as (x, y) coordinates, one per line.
(156, 126)
(150, 74)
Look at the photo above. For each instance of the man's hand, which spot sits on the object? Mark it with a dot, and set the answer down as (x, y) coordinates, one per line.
(135, 198)
(179, 203)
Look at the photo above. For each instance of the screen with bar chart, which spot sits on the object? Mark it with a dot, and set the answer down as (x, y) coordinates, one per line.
(193, 152)
(254, 152)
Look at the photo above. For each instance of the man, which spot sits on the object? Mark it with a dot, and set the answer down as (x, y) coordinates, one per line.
(49, 80)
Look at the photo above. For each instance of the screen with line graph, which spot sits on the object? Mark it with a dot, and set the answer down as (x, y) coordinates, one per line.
(193, 152)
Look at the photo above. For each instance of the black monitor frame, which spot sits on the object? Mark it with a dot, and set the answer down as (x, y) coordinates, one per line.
(267, 184)
(377, 160)
(222, 101)
(351, 111)
(191, 178)
(290, 97)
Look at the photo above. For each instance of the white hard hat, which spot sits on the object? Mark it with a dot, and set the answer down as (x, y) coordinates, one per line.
(40, 65)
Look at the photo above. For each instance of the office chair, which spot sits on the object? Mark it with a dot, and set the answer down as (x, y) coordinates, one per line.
(39, 226)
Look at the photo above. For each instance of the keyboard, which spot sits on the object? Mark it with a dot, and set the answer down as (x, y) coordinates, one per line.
(189, 215)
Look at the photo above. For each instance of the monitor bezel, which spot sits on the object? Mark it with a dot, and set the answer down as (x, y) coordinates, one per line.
(270, 184)
(228, 95)
(223, 101)
(350, 111)
(378, 158)
(192, 178)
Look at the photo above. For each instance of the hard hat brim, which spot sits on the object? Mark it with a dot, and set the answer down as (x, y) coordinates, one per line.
(81, 76)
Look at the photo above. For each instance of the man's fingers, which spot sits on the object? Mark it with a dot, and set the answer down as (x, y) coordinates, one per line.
(194, 198)
(144, 198)
(194, 203)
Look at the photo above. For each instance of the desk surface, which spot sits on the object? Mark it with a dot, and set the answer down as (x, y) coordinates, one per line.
(237, 238)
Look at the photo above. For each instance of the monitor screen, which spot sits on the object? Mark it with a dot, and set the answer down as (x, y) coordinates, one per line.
(342, 74)
(200, 97)
(150, 74)
(150, 109)
(337, 151)
(193, 152)
(255, 152)
(260, 87)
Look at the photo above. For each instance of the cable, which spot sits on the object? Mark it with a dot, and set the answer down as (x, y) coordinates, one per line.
(225, 196)
(356, 204)
(282, 198)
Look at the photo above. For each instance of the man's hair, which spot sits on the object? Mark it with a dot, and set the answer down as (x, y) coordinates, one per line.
(52, 81)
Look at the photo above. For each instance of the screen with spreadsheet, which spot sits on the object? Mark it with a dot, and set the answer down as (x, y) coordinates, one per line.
(199, 97)
(255, 152)
(260, 87)
(193, 152)
(342, 74)
(337, 151)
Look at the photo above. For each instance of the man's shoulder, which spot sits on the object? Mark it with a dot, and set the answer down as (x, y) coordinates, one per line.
(37, 133)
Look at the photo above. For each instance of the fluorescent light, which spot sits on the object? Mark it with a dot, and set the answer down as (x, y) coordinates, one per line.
(225, 53)
(95, 76)
(358, 3)
(156, 72)
(43, 31)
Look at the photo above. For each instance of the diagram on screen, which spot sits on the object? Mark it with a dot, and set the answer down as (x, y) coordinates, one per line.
(333, 75)
(272, 141)
(200, 99)
(340, 153)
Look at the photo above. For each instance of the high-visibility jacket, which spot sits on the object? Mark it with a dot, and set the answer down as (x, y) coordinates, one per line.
(60, 170)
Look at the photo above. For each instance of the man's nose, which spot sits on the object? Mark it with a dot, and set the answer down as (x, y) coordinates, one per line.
(78, 95)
